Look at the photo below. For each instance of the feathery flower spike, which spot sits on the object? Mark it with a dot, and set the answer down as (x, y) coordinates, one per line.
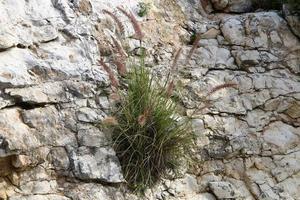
(113, 80)
(136, 26)
(116, 19)
(194, 47)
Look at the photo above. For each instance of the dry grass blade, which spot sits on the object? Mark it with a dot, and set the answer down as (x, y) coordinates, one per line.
(194, 47)
(175, 61)
(110, 121)
(136, 26)
(116, 20)
(114, 96)
(113, 80)
(120, 66)
(222, 86)
(119, 47)
(170, 88)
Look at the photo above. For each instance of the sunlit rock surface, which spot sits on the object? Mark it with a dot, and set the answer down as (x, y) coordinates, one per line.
(54, 95)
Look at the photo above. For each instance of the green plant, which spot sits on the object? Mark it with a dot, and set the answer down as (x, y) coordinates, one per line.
(149, 136)
(149, 139)
(143, 9)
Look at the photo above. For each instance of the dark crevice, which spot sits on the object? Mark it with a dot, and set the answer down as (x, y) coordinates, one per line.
(28, 105)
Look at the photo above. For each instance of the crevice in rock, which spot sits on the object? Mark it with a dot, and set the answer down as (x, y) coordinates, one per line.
(28, 105)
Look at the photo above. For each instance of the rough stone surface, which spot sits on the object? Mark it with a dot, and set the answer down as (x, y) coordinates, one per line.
(54, 96)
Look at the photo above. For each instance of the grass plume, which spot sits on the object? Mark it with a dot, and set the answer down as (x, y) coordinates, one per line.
(194, 47)
(222, 86)
(175, 60)
(121, 66)
(120, 26)
(120, 50)
(136, 26)
(112, 78)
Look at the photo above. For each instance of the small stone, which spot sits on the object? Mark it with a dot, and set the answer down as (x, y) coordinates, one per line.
(281, 135)
(6, 41)
(211, 34)
(219, 4)
(3, 195)
(21, 161)
(14, 178)
(247, 58)
(98, 164)
(223, 190)
(88, 115)
(104, 102)
(59, 158)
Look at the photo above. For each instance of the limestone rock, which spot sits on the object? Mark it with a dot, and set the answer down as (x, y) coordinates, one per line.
(239, 6)
(99, 164)
(223, 190)
(220, 4)
(247, 58)
(292, 16)
(54, 96)
(281, 135)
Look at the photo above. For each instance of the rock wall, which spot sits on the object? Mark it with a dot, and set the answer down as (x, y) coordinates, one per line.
(53, 95)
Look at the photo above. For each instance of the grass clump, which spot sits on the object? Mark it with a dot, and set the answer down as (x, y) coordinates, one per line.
(144, 9)
(149, 139)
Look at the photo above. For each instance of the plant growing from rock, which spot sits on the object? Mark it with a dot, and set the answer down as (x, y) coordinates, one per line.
(149, 136)
(143, 9)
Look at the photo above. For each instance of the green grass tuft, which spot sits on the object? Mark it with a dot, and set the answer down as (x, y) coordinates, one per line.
(149, 139)
(144, 9)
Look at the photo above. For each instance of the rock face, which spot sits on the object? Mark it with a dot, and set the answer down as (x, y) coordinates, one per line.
(54, 96)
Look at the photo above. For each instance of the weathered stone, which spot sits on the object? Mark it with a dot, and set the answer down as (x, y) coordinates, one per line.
(281, 135)
(89, 115)
(53, 95)
(39, 197)
(211, 34)
(59, 159)
(223, 190)
(99, 164)
(247, 58)
(46, 126)
(292, 16)
(17, 135)
(91, 136)
(219, 4)
(44, 93)
(21, 161)
(239, 6)
(6, 40)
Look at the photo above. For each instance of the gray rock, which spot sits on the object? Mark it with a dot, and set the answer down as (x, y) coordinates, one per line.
(292, 16)
(59, 159)
(43, 93)
(239, 6)
(281, 135)
(223, 190)
(53, 96)
(220, 4)
(253, 30)
(89, 115)
(17, 134)
(91, 136)
(248, 58)
(98, 164)
(40, 197)
(6, 40)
